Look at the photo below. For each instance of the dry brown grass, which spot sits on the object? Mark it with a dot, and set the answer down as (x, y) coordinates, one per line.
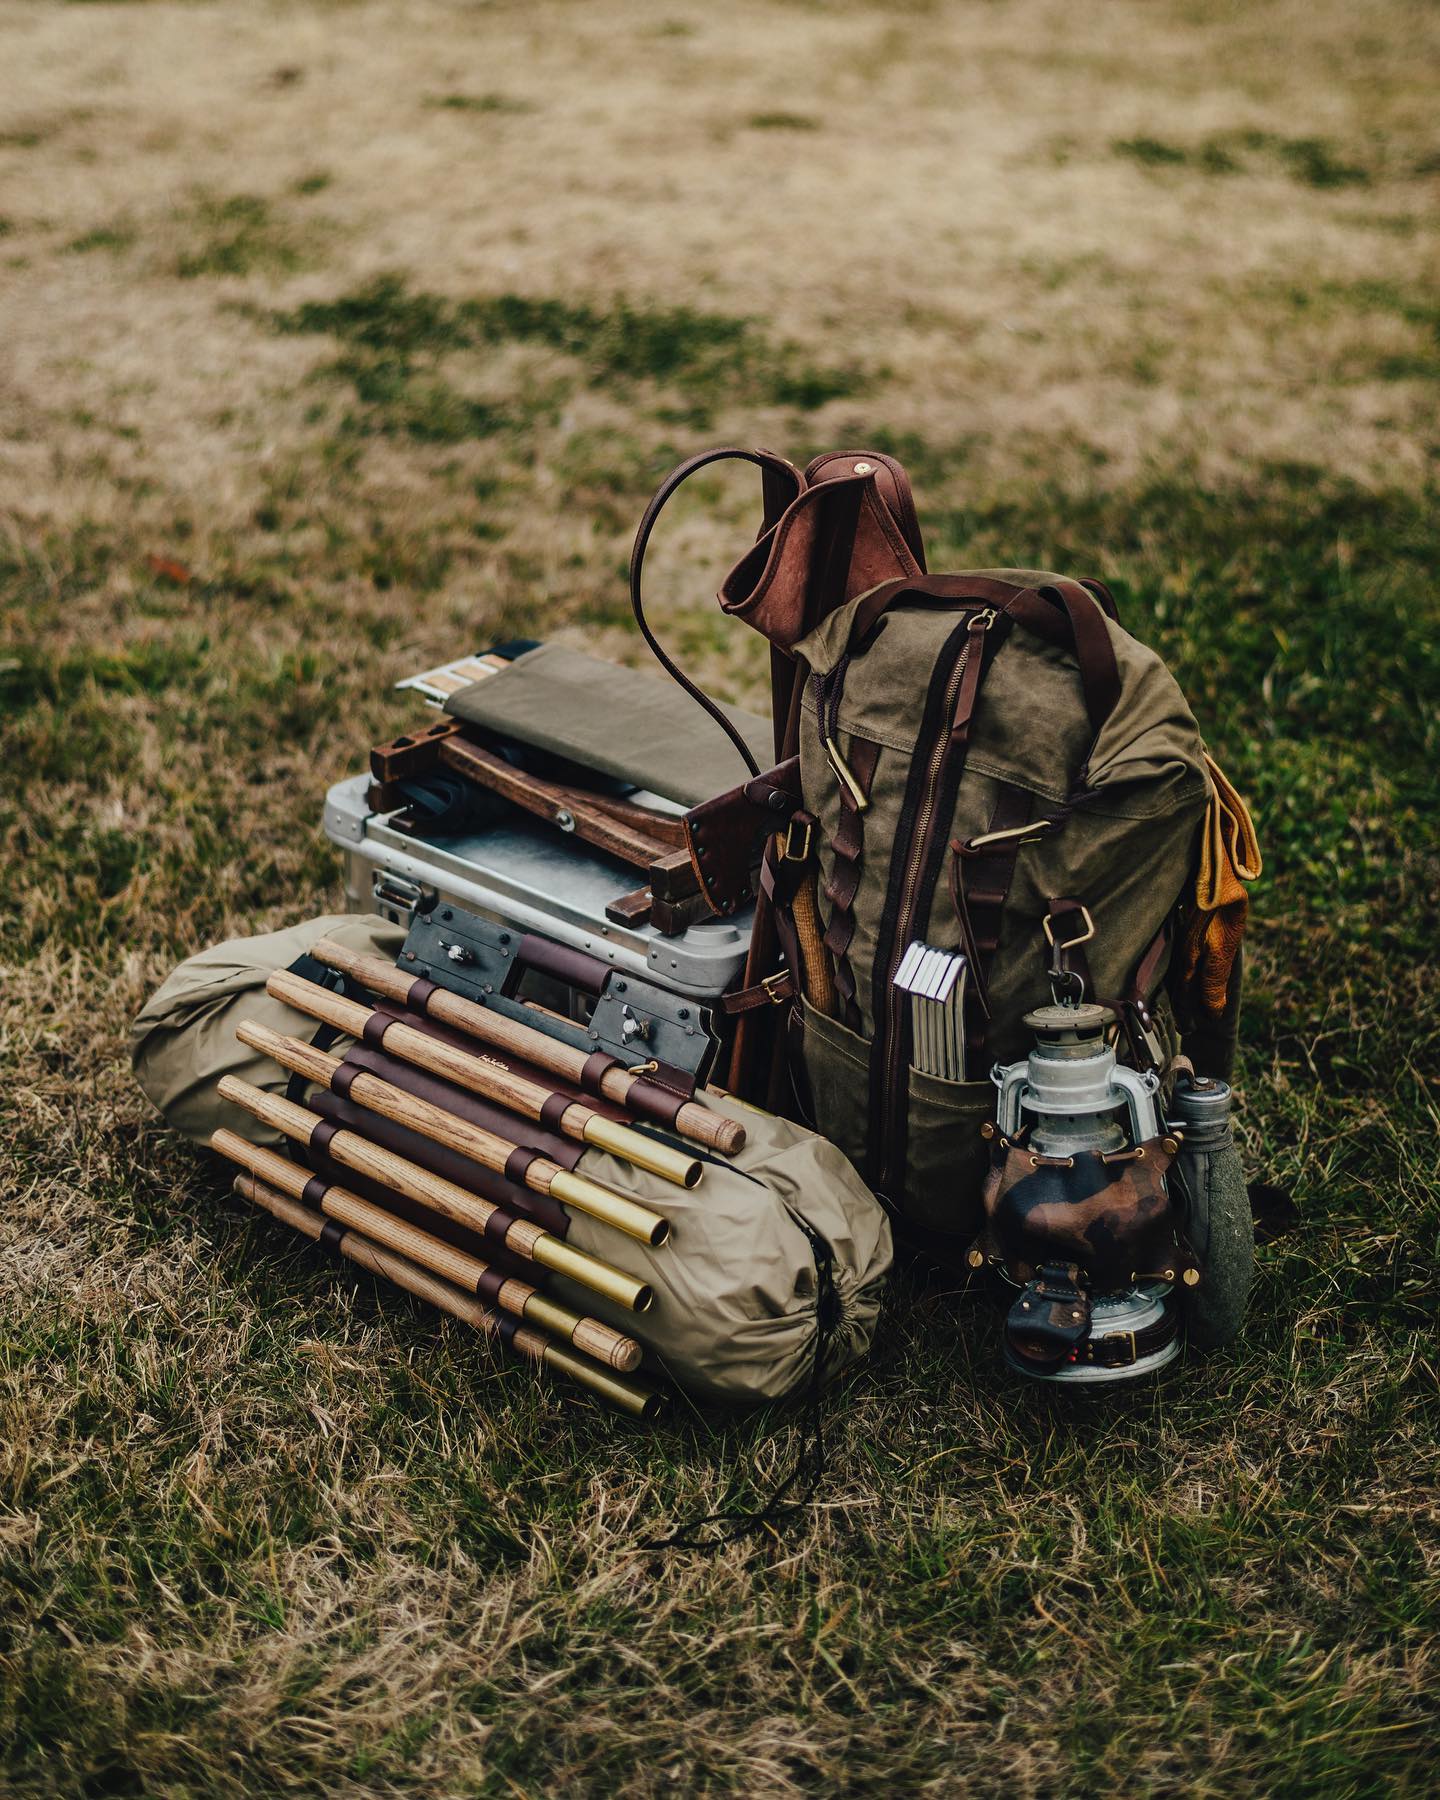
(1148, 289)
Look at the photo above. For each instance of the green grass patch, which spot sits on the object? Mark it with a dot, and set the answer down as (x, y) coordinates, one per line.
(1414, 306)
(1312, 161)
(480, 103)
(397, 338)
(114, 238)
(239, 234)
(782, 121)
(1154, 153)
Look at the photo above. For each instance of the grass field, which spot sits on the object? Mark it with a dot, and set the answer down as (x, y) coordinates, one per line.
(339, 339)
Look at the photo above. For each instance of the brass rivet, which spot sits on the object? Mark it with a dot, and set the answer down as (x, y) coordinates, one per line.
(864, 468)
(1192, 1278)
(975, 1258)
(1076, 1315)
(1024, 1306)
(1169, 1146)
(987, 1130)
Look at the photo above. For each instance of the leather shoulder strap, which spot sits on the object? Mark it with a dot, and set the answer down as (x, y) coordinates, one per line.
(781, 481)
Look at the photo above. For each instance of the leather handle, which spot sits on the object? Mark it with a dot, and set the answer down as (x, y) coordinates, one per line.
(587, 973)
(781, 482)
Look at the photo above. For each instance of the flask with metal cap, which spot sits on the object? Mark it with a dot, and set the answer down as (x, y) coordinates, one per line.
(1214, 1204)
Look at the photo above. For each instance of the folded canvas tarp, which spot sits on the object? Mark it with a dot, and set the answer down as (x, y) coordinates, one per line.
(636, 727)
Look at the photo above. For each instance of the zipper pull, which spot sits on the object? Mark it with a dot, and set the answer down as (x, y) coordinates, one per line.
(971, 662)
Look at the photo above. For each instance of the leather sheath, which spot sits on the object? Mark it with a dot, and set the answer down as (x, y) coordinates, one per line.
(844, 513)
(727, 835)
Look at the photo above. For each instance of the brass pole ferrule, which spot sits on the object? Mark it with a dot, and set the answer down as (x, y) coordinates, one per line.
(633, 1397)
(590, 1336)
(608, 1207)
(589, 1271)
(644, 1152)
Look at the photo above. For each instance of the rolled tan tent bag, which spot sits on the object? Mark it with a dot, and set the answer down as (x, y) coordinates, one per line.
(753, 1250)
(184, 1038)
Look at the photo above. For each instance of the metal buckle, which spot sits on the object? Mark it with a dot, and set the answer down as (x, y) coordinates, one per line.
(788, 852)
(771, 985)
(1115, 1337)
(1070, 943)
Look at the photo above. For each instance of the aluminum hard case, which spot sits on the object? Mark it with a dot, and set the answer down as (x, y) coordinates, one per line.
(527, 875)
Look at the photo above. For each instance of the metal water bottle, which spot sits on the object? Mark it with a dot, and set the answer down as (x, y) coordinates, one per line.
(1213, 1200)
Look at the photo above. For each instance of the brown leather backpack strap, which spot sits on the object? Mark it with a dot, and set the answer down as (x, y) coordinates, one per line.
(781, 483)
(981, 871)
(1146, 1050)
(1090, 635)
(1103, 595)
(1062, 612)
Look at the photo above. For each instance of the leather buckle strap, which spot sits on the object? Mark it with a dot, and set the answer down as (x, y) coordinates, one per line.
(1123, 1349)
(773, 990)
(1120, 1360)
(788, 849)
(981, 871)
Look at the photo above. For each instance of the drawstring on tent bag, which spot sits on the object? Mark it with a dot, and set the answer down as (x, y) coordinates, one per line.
(712, 1531)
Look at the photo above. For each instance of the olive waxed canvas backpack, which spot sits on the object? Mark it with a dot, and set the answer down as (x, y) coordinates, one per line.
(984, 761)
